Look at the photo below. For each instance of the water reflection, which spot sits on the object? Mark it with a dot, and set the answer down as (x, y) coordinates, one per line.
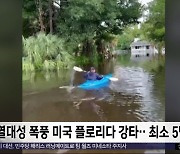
(135, 97)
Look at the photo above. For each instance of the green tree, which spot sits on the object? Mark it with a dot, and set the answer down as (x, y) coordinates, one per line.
(39, 15)
(30, 18)
(93, 22)
(127, 37)
(154, 27)
(87, 27)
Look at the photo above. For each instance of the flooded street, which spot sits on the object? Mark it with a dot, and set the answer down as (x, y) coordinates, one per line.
(137, 96)
(124, 41)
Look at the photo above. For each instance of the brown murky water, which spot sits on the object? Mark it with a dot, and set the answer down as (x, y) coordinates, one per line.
(137, 96)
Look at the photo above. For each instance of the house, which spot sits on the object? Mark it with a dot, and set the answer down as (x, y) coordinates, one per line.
(142, 48)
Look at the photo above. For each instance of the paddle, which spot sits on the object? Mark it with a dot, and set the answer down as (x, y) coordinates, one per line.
(78, 69)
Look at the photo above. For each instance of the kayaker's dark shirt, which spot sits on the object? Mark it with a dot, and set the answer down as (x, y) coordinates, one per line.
(92, 76)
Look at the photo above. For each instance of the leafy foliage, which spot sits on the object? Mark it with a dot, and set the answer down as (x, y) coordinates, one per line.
(96, 19)
(128, 36)
(30, 18)
(154, 27)
(45, 52)
(86, 27)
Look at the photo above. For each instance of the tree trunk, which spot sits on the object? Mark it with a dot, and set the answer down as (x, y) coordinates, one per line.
(50, 16)
(41, 16)
(100, 48)
(87, 48)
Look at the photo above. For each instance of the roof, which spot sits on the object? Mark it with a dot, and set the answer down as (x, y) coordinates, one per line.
(140, 43)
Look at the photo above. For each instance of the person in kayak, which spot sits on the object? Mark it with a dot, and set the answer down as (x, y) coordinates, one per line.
(92, 75)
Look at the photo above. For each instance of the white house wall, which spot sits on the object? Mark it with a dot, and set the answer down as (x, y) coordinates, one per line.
(142, 50)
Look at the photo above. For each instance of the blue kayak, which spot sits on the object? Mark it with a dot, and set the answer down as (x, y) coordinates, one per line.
(97, 84)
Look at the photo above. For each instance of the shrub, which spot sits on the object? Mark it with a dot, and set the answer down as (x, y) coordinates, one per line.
(44, 52)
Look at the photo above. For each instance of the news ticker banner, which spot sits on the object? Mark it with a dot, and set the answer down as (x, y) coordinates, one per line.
(89, 146)
(90, 132)
(89, 135)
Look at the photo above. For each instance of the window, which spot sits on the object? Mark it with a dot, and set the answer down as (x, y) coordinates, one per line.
(137, 47)
(147, 47)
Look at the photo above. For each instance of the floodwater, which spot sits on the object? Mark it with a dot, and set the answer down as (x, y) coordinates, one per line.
(138, 95)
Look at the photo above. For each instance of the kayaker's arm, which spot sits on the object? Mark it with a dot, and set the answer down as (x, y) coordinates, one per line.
(86, 75)
(99, 77)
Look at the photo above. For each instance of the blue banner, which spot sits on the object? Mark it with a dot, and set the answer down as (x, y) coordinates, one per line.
(79, 146)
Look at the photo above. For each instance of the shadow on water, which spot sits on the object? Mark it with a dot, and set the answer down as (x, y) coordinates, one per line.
(135, 97)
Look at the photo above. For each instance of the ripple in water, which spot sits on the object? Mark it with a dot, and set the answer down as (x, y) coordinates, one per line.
(136, 87)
